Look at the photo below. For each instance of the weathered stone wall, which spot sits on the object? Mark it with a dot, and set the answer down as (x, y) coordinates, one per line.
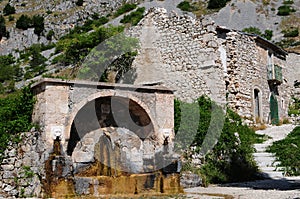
(22, 167)
(37, 164)
(195, 58)
(293, 71)
(243, 73)
(247, 70)
(58, 102)
(182, 53)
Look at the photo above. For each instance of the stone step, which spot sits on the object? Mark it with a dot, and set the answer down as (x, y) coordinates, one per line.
(273, 174)
(272, 168)
(267, 159)
(267, 164)
(263, 154)
(261, 147)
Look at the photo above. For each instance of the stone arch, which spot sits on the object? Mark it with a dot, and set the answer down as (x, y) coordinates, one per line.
(138, 110)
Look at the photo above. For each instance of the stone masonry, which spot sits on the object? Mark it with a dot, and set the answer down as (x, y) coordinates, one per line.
(196, 57)
(182, 52)
(58, 103)
(36, 165)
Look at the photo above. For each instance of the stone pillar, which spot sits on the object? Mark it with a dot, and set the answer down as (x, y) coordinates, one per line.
(51, 110)
(165, 115)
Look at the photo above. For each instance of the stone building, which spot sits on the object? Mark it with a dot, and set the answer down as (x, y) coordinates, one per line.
(196, 57)
(256, 73)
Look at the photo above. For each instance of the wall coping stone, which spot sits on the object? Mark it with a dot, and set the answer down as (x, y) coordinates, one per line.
(103, 85)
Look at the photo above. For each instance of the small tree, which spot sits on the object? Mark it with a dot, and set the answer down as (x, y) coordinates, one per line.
(215, 4)
(2, 27)
(38, 24)
(252, 30)
(79, 2)
(37, 61)
(7, 70)
(50, 34)
(8, 10)
(24, 22)
(268, 34)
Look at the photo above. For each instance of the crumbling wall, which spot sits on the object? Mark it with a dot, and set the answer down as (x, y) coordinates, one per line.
(247, 61)
(191, 56)
(22, 167)
(180, 52)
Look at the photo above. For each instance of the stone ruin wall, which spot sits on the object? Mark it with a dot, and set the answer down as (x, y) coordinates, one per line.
(285, 90)
(182, 53)
(190, 56)
(242, 70)
(293, 68)
(22, 168)
(247, 70)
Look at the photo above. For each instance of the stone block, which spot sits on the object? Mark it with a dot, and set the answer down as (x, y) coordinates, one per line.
(189, 180)
(8, 175)
(7, 167)
(83, 157)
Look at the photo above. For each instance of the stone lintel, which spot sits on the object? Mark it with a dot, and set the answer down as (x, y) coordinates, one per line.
(101, 85)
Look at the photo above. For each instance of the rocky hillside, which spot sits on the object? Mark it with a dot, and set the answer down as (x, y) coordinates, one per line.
(280, 16)
(61, 16)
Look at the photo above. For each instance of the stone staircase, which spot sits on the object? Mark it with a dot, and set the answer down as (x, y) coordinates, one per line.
(266, 162)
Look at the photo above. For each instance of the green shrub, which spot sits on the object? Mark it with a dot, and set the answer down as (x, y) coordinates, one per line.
(268, 34)
(36, 64)
(231, 158)
(79, 2)
(254, 30)
(24, 22)
(216, 4)
(106, 61)
(8, 69)
(287, 151)
(87, 26)
(76, 46)
(2, 27)
(38, 24)
(11, 18)
(291, 33)
(185, 6)
(50, 34)
(8, 10)
(285, 10)
(294, 108)
(285, 43)
(134, 17)
(15, 116)
(287, 2)
(125, 8)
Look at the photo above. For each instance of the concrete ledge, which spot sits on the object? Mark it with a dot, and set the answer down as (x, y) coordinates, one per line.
(102, 85)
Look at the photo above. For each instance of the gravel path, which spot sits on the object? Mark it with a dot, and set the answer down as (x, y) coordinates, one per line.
(277, 188)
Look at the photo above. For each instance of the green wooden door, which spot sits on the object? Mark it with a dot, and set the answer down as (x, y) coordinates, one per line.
(274, 109)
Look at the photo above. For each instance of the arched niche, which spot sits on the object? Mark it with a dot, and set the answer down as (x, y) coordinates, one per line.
(110, 111)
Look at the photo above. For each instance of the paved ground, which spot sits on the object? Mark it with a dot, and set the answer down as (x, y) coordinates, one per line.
(278, 187)
(286, 188)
